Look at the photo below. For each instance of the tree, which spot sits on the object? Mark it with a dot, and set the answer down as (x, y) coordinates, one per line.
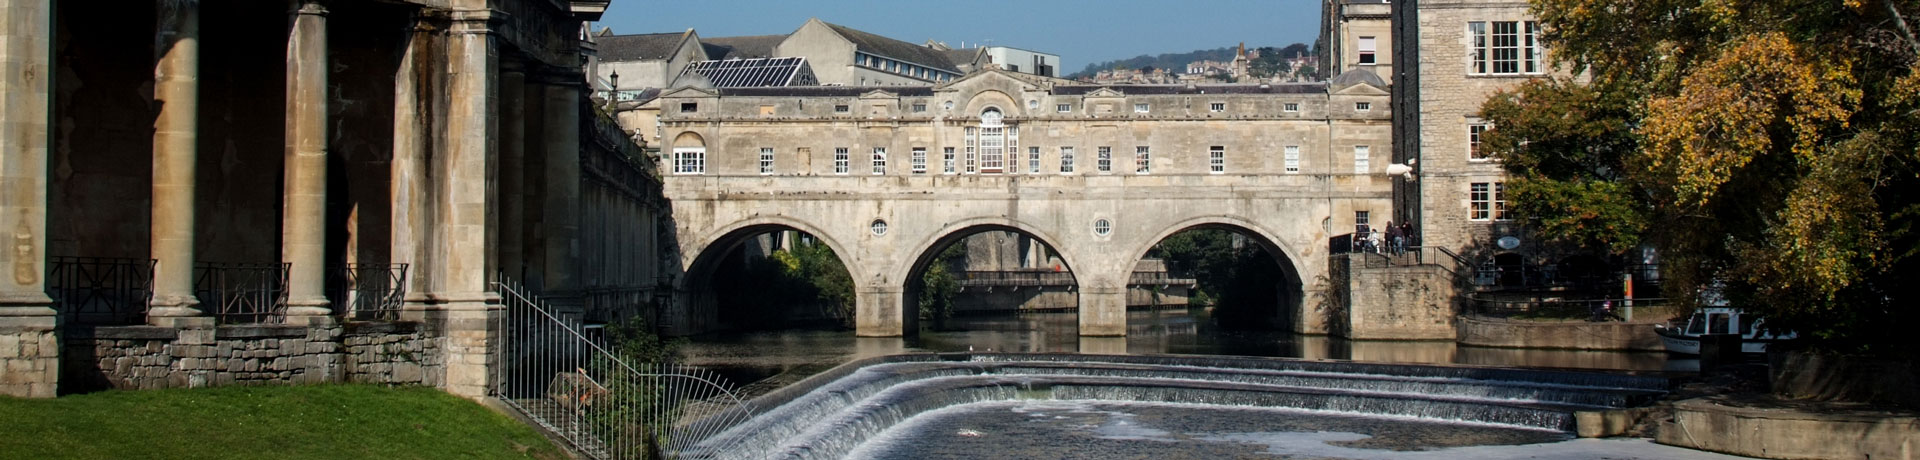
(1773, 142)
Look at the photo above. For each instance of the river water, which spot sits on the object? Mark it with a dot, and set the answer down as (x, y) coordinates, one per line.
(747, 358)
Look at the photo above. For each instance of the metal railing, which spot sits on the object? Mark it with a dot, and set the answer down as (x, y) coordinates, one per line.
(1051, 278)
(369, 292)
(1562, 308)
(100, 290)
(242, 293)
(602, 405)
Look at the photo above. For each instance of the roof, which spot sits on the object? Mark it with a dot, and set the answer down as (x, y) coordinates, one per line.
(1357, 76)
(744, 47)
(753, 72)
(964, 56)
(639, 47)
(828, 91)
(874, 44)
(1134, 90)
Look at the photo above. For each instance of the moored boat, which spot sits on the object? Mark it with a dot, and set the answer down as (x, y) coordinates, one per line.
(1683, 335)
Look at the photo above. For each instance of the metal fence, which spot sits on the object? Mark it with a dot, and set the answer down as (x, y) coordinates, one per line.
(369, 292)
(605, 407)
(242, 293)
(100, 290)
(1592, 309)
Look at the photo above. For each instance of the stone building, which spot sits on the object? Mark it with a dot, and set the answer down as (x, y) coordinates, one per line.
(1358, 35)
(883, 173)
(221, 191)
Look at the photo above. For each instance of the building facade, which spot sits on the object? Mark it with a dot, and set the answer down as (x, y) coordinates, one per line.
(1358, 35)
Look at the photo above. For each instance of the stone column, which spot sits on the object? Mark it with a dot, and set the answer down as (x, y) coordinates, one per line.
(304, 227)
(561, 222)
(1103, 308)
(29, 347)
(467, 204)
(879, 311)
(176, 90)
(512, 183)
(417, 96)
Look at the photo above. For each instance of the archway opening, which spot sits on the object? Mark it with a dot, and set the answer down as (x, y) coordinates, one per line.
(769, 277)
(992, 287)
(1213, 289)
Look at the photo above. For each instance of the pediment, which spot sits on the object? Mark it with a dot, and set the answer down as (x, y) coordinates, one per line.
(1106, 92)
(1361, 89)
(691, 91)
(879, 94)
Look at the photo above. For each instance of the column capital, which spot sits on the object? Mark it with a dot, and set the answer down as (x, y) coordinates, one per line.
(477, 21)
(310, 7)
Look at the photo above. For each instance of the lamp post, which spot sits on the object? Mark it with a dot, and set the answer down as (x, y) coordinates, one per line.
(613, 90)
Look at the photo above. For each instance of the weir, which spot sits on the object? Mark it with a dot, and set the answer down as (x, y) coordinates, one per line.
(834, 413)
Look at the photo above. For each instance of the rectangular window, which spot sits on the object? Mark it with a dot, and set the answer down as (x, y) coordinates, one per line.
(1290, 107)
(1066, 160)
(1063, 108)
(690, 161)
(919, 106)
(1480, 198)
(842, 108)
(1033, 160)
(1217, 159)
(1362, 106)
(841, 160)
(1142, 161)
(1217, 107)
(1474, 152)
(1293, 158)
(1504, 47)
(1140, 108)
(919, 160)
(766, 160)
(946, 160)
(1104, 159)
(1500, 201)
(689, 107)
(879, 160)
(1360, 159)
(1366, 50)
(1362, 221)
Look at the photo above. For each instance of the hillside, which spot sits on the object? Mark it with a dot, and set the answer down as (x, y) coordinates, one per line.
(1179, 61)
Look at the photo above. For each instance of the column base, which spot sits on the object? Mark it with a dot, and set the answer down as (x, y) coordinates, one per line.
(181, 322)
(310, 312)
(29, 351)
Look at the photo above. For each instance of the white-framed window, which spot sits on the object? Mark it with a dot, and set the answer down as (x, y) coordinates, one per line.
(1367, 48)
(1217, 107)
(1066, 160)
(1063, 108)
(1141, 107)
(1290, 107)
(1142, 160)
(1362, 106)
(690, 160)
(946, 160)
(841, 161)
(1103, 160)
(1292, 158)
(879, 160)
(1361, 154)
(1504, 47)
(1474, 131)
(1487, 200)
(1033, 160)
(841, 108)
(1033, 104)
(919, 160)
(919, 106)
(1362, 222)
(1217, 159)
(766, 160)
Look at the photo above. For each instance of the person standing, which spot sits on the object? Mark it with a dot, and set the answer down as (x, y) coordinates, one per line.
(1393, 238)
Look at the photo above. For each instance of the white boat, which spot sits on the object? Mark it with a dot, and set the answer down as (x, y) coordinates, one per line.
(1683, 336)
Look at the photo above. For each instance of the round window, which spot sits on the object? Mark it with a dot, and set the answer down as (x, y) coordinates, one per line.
(948, 105)
(1102, 227)
(879, 227)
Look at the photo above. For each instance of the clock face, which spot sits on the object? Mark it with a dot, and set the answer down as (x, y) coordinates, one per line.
(1508, 242)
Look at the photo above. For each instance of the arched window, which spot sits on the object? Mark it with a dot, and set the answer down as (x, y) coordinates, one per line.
(992, 140)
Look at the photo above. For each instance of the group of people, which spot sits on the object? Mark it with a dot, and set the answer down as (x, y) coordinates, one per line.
(1395, 241)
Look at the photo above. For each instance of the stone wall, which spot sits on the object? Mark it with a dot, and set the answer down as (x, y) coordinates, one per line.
(146, 357)
(1570, 335)
(1413, 302)
(29, 361)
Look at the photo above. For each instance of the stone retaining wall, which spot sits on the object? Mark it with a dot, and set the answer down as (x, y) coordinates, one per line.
(144, 357)
(29, 361)
(1570, 335)
(1773, 432)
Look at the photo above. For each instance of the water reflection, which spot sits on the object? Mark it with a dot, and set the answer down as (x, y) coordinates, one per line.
(751, 357)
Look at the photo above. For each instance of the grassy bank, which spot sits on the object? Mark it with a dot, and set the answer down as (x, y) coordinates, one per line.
(285, 422)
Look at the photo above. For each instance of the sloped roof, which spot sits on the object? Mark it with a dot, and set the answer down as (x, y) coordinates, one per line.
(1133, 90)
(963, 56)
(743, 47)
(874, 44)
(733, 73)
(844, 91)
(639, 47)
(1357, 76)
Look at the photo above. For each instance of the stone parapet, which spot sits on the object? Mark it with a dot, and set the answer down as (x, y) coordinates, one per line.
(1395, 302)
(146, 357)
(1571, 335)
(1722, 425)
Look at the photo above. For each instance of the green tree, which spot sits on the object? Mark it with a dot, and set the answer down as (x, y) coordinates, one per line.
(1769, 145)
(938, 286)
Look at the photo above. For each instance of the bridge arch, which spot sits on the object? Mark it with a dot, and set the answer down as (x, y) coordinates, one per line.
(1293, 286)
(704, 257)
(924, 253)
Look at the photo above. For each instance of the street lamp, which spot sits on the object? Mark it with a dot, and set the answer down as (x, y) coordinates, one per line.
(613, 89)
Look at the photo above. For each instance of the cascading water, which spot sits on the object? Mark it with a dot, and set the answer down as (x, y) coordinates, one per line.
(832, 414)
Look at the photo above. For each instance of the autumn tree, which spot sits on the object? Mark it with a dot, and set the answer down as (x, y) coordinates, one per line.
(1766, 145)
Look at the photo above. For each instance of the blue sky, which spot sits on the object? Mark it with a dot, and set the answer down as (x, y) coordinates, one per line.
(1080, 32)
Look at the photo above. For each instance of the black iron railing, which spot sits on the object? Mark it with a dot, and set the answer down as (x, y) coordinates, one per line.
(1050, 278)
(369, 292)
(242, 293)
(100, 290)
(1596, 309)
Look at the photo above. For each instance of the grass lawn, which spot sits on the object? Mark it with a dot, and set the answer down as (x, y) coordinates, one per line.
(280, 422)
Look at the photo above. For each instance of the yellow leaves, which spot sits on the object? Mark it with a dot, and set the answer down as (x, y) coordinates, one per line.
(1734, 108)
